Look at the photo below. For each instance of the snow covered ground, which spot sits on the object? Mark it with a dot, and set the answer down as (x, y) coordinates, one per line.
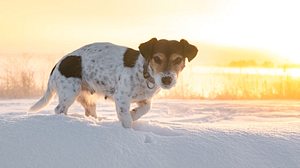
(175, 133)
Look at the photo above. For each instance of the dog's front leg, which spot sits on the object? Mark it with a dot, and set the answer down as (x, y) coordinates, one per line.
(122, 106)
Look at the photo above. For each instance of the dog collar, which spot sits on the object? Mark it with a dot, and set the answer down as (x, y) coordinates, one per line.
(149, 79)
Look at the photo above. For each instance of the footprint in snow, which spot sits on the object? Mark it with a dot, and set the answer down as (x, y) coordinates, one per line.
(148, 139)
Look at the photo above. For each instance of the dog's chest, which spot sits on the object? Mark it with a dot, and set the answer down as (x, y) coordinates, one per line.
(133, 83)
(142, 89)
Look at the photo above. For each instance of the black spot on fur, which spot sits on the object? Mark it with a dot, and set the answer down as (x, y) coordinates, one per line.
(71, 67)
(52, 70)
(112, 91)
(130, 57)
(92, 91)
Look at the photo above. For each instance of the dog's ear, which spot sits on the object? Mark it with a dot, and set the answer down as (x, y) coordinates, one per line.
(189, 51)
(146, 48)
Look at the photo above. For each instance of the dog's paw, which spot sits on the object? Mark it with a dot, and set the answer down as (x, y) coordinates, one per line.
(127, 121)
(127, 124)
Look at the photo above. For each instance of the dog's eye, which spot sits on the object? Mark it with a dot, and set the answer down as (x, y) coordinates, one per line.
(157, 60)
(177, 61)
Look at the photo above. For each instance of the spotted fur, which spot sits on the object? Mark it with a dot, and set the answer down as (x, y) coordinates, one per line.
(101, 69)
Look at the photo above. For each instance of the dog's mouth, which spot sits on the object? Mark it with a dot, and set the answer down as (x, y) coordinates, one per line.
(166, 86)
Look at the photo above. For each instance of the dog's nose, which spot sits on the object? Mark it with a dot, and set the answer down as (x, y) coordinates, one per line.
(166, 80)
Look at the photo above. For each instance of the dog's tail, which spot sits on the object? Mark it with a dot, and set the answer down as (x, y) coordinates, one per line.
(45, 100)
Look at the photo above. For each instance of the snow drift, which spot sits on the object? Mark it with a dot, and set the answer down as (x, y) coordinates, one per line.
(175, 133)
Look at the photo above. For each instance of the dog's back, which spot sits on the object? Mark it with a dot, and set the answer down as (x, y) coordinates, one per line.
(94, 68)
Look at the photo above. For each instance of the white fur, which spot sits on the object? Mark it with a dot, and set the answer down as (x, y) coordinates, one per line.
(103, 73)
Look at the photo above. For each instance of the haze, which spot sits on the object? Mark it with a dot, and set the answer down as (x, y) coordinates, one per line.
(61, 26)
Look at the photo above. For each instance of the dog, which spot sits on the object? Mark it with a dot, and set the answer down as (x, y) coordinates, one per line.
(120, 73)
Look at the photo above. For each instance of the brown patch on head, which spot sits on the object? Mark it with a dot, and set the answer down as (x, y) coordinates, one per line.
(163, 53)
(168, 47)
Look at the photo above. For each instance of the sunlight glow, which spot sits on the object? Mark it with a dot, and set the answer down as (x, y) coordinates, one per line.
(270, 26)
(45, 26)
(224, 31)
(259, 24)
(292, 72)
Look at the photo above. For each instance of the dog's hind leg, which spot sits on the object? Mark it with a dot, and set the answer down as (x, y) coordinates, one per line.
(143, 107)
(67, 91)
(88, 103)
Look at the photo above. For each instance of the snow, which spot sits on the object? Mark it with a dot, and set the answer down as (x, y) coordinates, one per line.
(175, 133)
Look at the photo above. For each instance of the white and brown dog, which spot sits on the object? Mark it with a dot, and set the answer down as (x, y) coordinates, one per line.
(120, 73)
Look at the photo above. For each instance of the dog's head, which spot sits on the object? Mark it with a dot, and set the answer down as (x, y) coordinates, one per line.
(167, 59)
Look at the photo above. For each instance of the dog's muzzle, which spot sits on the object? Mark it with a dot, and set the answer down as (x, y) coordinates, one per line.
(166, 80)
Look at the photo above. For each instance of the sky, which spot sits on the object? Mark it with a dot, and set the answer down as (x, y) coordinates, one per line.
(53, 26)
